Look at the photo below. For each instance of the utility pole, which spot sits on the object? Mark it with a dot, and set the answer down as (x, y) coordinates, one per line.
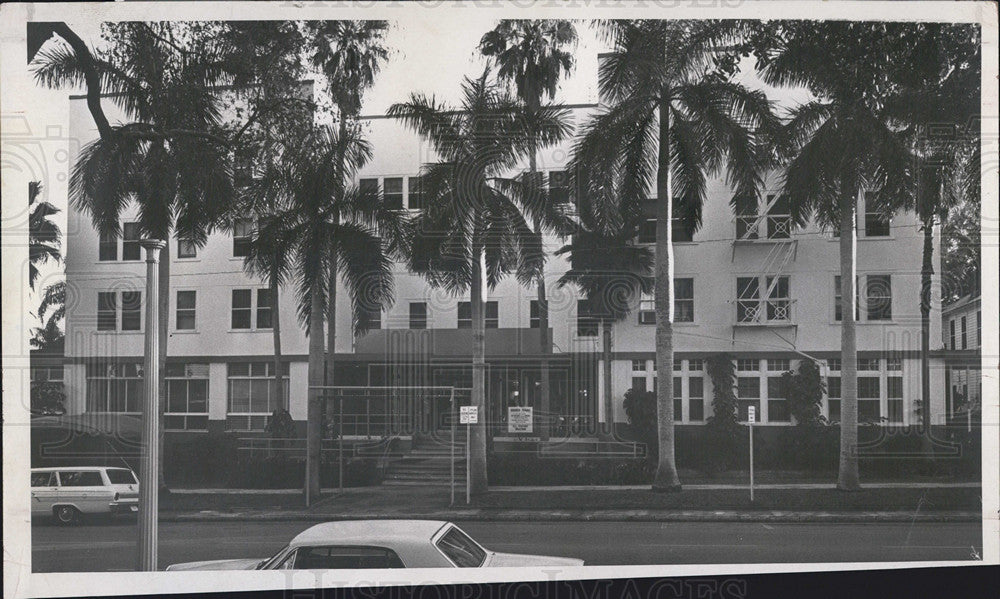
(149, 500)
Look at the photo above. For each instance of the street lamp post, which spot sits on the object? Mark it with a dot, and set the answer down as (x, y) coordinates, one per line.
(148, 491)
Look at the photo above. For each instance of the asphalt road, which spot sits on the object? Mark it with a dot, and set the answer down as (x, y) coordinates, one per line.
(111, 546)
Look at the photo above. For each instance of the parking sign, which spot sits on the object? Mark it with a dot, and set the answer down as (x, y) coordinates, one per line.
(468, 415)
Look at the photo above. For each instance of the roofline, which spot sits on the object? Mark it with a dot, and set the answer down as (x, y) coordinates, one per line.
(373, 117)
(962, 302)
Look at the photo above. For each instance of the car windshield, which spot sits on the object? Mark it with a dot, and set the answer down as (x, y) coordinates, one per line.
(120, 476)
(461, 549)
(267, 563)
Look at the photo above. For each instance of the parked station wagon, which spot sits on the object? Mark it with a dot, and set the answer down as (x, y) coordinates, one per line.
(363, 544)
(68, 493)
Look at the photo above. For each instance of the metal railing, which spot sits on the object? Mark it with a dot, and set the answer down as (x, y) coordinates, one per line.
(763, 227)
(768, 311)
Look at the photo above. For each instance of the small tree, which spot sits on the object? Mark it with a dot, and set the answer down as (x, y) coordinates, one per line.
(804, 392)
(640, 409)
(48, 398)
(723, 425)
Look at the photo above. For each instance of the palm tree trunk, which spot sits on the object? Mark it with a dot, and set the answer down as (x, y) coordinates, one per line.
(544, 343)
(666, 478)
(478, 481)
(161, 384)
(926, 273)
(313, 409)
(848, 478)
(331, 324)
(276, 336)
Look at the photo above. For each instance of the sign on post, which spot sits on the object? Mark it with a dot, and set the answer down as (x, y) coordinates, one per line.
(468, 415)
(752, 414)
(520, 419)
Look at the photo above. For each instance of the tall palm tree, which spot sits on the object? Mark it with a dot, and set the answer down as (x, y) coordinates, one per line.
(321, 222)
(842, 145)
(50, 336)
(534, 55)
(350, 54)
(673, 115)
(473, 230)
(43, 234)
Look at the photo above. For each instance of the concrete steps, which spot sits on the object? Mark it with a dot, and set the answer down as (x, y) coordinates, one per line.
(429, 464)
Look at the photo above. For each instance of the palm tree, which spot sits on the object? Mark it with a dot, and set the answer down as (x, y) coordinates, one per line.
(320, 223)
(611, 272)
(473, 230)
(43, 234)
(350, 54)
(673, 114)
(842, 145)
(49, 336)
(533, 55)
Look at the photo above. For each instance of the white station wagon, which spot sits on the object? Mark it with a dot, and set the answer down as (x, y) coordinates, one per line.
(360, 544)
(67, 493)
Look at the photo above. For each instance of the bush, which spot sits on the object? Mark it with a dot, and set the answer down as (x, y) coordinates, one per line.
(723, 429)
(48, 398)
(640, 409)
(524, 468)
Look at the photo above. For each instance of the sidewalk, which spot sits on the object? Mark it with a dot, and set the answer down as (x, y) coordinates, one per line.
(806, 502)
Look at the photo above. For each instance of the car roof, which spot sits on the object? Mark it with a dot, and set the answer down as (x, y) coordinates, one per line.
(83, 468)
(389, 533)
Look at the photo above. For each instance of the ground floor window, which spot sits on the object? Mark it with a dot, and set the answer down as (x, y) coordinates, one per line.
(114, 387)
(187, 397)
(252, 394)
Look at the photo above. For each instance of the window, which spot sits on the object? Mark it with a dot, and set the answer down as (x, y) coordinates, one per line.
(837, 299)
(368, 188)
(107, 311)
(639, 383)
(748, 392)
(371, 318)
(416, 198)
(747, 299)
(418, 315)
(894, 393)
(868, 364)
(748, 364)
(647, 231)
(777, 404)
(114, 387)
(951, 327)
(107, 247)
(678, 365)
(876, 224)
(131, 250)
(242, 311)
(242, 232)
(647, 309)
(187, 248)
(460, 549)
(559, 187)
(778, 365)
(869, 395)
(833, 397)
(187, 396)
(696, 401)
(638, 366)
(86, 478)
(534, 316)
(746, 217)
(44, 479)
(120, 476)
(779, 220)
(694, 365)
(586, 320)
(684, 300)
(492, 315)
(833, 364)
(252, 394)
(345, 558)
(878, 295)
(393, 193)
(678, 398)
(893, 364)
(185, 317)
(264, 309)
(131, 310)
(779, 299)
(965, 336)
(41, 374)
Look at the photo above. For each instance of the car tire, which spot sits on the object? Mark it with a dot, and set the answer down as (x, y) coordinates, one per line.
(66, 514)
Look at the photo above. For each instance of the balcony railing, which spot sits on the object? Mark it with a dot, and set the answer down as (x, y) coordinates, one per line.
(763, 228)
(764, 312)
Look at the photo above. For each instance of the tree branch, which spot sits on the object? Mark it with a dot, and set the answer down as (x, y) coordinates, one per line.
(92, 77)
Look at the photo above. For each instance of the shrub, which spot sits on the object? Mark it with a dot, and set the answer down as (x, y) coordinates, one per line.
(48, 398)
(640, 409)
(723, 429)
(804, 392)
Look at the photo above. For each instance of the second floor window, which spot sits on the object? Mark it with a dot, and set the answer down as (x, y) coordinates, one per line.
(492, 315)
(107, 247)
(415, 190)
(131, 250)
(393, 187)
(586, 320)
(647, 309)
(418, 315)
(965, 336)
(186, 248)
(243, 309)
(684, 300)
(242, 231)
(534, 318)
(185, 317)
(753, 307)
(559, 187)
(109, 306)
(876, 225)
(878, 296)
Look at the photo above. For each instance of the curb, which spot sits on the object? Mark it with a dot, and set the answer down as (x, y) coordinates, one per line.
(484, 515)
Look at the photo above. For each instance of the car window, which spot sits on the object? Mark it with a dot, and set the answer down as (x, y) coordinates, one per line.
(460, 549)
(43, 479)
(120, 476)
(345, 558)
(86, 478)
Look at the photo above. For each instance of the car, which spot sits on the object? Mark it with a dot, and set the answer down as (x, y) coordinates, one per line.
(71, 492)
(360, 544)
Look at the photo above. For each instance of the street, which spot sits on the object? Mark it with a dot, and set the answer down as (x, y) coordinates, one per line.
(103, 546)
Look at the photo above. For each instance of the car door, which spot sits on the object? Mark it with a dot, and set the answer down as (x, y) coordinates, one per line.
(84, 489)
(44, 486)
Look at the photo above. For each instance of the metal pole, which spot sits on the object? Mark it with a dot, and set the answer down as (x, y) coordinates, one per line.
(149, 508)
(468, 466)
(452, 403)
(751, 462)
(340, 449)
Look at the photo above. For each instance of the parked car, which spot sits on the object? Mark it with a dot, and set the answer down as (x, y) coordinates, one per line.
(361, 544)
(68, 493)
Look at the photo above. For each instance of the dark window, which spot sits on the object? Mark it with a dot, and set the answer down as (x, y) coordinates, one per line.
(464, 315)
(639, 383)
(120, 476)
(777, 406)
(834, 405)
(647, 231)
(833, 387)
(107, 247)
(748, 392)
(491, 316)
(418, 315)
(368, 188)
(684, 300)
(107, 311)
(681, 232)
(747, 299)
(876, 225)
(678, 392)
(696, 393)
(894, 387)
(186, 304)
(393, 193)
(416, 193)
(965, 336)
(748, 364)
(131, 250)
(779, 299)
(43, 479)
(586, 321)
(242, 232)
(81, 479)
(535, 316)
(264, 309)
(779, 223)
(242, 311)
(371, 318)
(131, 310)
(951, 327)
(868, 387)
(879, 297)
(746, 217)
(895, 407)
(559, 187)
(187, 248)
(345, 558)
(869, 410)
(461, 550)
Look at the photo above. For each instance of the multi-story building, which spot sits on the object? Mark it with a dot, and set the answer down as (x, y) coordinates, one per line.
(747, 283)
(962, 331)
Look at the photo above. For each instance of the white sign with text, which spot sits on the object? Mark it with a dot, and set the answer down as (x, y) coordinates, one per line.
(520, 419)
